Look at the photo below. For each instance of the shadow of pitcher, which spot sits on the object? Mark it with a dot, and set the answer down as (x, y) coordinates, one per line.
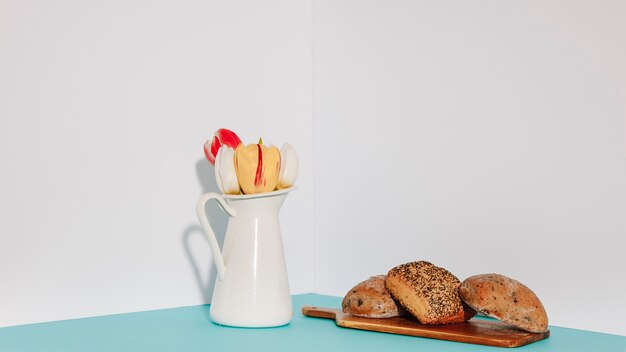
(194, 233)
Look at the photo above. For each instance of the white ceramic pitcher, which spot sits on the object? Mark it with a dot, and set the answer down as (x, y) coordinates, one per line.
(251, 289)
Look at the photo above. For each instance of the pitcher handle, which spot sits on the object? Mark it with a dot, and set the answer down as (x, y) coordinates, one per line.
(208, 230)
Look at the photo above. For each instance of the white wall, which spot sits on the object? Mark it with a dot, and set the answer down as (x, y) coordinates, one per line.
(484, 136)
(104, 107)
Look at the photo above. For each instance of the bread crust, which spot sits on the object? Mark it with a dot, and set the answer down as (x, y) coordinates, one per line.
(428, 292)
(506, 299)
(370, 299)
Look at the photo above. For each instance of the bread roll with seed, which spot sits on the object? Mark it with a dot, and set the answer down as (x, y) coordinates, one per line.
(370, 299)
(506, 299)
(428, 292)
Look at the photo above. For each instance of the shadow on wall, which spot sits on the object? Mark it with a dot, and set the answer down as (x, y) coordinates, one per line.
(218, 219)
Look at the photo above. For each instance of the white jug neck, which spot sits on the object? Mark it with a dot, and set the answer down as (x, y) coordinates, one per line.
(261, 202)
(257, 205)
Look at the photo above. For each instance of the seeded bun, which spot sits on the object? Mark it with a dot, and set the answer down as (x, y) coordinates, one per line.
(428, 292)
(370, 299)
(505, 299)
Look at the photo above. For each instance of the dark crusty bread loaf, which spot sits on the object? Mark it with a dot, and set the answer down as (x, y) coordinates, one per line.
(505, 299)
(370, 299)
(428, 292)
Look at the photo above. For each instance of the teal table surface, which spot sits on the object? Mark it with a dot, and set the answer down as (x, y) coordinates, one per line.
(189, 329)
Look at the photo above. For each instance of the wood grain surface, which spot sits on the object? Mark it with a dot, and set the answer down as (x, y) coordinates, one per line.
(476, 331)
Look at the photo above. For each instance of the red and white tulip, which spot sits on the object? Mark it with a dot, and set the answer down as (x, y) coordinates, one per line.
(222, 137)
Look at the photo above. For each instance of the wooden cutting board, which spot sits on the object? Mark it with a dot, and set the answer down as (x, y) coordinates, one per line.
(476, 331)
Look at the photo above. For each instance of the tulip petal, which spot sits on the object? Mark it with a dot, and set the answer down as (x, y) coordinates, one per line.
(228, 138)
(218, 176)
(209, 151)
(215, 146)
(225, 173)
(288, 166)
